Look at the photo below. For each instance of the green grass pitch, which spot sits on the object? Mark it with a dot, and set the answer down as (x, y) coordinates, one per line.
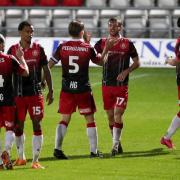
(151, 106)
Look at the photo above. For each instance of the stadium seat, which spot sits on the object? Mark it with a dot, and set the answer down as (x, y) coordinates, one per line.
(167, 3)
(143, 3)
(90, 20)
(119, 3)
(12, 19)
(95, 3)
(104, 17)
(175, 16)
(48, 3)
(6, 3)
(24, 3)
(135, 23)
(72, 3)
(159, 24)
(41, 20)
(60, 21)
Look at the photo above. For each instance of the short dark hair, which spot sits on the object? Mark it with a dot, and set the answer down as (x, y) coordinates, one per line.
(115, 19)
(23, 24)
(75, 27)
(2, 39)
(178, 22)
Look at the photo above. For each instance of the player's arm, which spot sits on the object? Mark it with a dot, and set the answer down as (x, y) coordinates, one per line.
(48, 78)
(20, 56)
(172, 61)
(136, 63)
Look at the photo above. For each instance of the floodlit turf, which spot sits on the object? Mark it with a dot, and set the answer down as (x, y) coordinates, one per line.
(151, 106)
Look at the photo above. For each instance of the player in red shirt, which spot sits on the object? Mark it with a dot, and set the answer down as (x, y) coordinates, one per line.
(8, 65)
(175, 124)
(75, 56)
(28, 92)
(116, 71)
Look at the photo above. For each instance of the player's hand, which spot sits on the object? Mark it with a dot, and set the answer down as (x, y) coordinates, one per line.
(43, 84)
(121, 77)
(50, 98)
(110, 43)
(87, 37)
(19, 52)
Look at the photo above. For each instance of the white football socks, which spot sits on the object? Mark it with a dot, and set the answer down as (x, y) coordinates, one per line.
(93, 138)
(9, 140)
(175, 124)
(116, 137)
(61, 130)
(20, 146)
(37, 142)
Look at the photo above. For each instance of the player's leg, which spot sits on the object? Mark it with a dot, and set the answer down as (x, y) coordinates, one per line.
(86, 106)
(67, 106)
(21, 111)
(36, 112)
(121, 94)
(109, 101)
(175, 124)
(61, 130)
(9, 117)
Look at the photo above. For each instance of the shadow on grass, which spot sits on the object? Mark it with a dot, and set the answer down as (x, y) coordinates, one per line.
(152, 152)
(130, 154)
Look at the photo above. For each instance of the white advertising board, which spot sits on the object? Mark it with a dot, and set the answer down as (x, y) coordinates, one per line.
(152, 52)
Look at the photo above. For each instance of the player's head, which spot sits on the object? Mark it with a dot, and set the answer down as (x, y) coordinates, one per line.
(178, 22)
(76, 28)
(26, 31)
(2, 42)
(114, 26)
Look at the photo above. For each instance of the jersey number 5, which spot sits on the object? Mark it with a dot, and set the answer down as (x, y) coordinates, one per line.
(72, 62)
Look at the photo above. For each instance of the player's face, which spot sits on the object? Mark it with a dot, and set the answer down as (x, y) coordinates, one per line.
(2, 47)
(114, 29)
(27, 33)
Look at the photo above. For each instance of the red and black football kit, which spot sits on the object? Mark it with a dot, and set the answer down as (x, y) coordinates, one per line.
(28, 89)
(8, 66)
(115, 93)
(75, 56)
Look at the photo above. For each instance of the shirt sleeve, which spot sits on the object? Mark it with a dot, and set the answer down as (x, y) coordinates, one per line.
(97, 46)
(133, 51)
(177, 50)
(17, 67)
(56, 55)
(43, 57)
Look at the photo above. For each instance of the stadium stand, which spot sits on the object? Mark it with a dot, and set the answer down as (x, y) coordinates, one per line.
(12, 18)
(119, 3)
(6, 3)
(135, 22)
(159, 23)
(60, 21)
(148, 18)
(25, 3)
(145, 3)
(48, 3)
(72, 2)
(41, 19)
(167, 3)
(176, 30)
(96, 3)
